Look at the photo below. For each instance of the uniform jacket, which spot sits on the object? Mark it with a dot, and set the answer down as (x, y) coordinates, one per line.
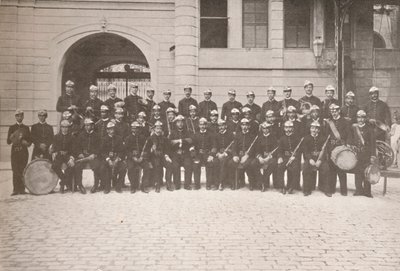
(111, 102)
(312, 146)
(270, 105)
(135, 143)
(285, 103)
(325, 112)
(232, 126)
(227, 107)
(344, 128)
(186, 140)
(369, 148)
(88, 143)
(205, 107)
(113, 145)
(42, 133)
(164, 105)
(64, 143)
(378, 110)
(255, 111)
(287, 145)
(205, 142)
(65, 101)
(134, 104)
(313, 100)
(183, 105)
(266, 144)
(161, 146)
(122, 129)
(25, 135)
(95, 104)
(192, 125)
(101, 128)
(242, 143)
(222, 141)
(350, 112)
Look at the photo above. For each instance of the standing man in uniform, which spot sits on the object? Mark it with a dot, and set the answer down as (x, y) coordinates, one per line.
(113, 99)
(255, 108)
(165, 104)
(206, 106)
(350, 109)
(20, 138)
(183, 105)
(150, 103)
(288, 101)
(134, 103)
(42, 136)
(330, 99)
(69, 99)
(309, 98)
(229, 105)
(233, 123)
(378, 114)
(93, 104)
(339, 130)
(270, 104)
(364, 140)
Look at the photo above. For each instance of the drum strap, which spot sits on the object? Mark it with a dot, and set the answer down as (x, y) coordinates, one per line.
(333, 129)
(358, 133)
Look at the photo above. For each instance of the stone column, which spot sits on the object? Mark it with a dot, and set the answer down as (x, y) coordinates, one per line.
(186, 46)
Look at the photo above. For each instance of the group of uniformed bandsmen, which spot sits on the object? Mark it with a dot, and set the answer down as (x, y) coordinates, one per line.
(138, 137)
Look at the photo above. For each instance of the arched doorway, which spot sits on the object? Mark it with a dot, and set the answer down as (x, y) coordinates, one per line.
(96, 59)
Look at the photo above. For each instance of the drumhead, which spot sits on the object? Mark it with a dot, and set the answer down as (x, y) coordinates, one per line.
(39, 178)
(344, 158)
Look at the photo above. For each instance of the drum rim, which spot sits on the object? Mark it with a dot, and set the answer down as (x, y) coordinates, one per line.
(342, 148)
(26, 167)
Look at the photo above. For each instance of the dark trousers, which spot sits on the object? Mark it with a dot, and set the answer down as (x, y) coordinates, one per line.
(363, 187)
(94, 165)
(310, 176)
(264, 177)
(67, 175)
(197, 164)
(221, 171)
(293, 173)
(156, 174)
(248, 168)
(19, 160)
(179, 160)
(117, 175)
(335, 172)
(134, 173)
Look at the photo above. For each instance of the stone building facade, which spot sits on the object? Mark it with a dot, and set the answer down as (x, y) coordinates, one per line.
(240, 44)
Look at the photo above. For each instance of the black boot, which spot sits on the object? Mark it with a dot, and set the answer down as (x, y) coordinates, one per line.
(82, 189)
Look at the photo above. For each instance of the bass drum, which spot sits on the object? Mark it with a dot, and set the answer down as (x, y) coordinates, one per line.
(344, 158)
(39, 178)
(372, 174)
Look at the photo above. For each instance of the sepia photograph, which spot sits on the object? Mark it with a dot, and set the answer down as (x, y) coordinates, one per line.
(207, 135)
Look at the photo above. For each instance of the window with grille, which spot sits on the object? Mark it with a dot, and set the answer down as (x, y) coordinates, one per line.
(213, 24)
(297, 23)
(255, 23)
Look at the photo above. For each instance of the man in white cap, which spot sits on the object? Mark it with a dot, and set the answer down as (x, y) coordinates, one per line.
(93, 104)
(288, 101)
(314, 115)
(253, 123)
(183, 105)
(364, 140)
(255, 108)
(315, 160)
(63, 149)
(243, 155)
(309, 97)
(270, 118)
(203, 152)
(69, 99)
(19, 137)
(144, 125)
(224, 142)
(101, 125)
(206, 106)
(229, 105)
(270, 104)
(155, 115)
(181, 141)
(192, 122)
(349, 109)
(42, 136)
(133, 102)
(233, 124)
(330, 99)
(212, 126)
(165, 104)
(113, 99)
(378, 113)
(150, 103)
(291, 114)
(113, 154)
(121, 128)
(339, 130)
(266, 155)
(289, 158)
(137, 151)
(168, 124)
(87, 152)
(160, 152)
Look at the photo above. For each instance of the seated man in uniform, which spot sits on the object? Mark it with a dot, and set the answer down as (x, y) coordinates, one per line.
(224, 142)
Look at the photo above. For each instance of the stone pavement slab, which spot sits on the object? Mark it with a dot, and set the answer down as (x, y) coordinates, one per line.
(199, 230)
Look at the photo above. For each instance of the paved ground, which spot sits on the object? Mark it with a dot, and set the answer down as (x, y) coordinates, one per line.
(199, 230)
